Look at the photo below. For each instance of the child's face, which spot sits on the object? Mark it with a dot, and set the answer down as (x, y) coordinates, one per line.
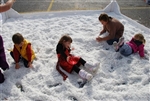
(20, 45)
(103, 22)
(67, 44)
(136, 37)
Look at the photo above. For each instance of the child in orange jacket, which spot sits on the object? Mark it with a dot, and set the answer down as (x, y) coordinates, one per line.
(22, 50)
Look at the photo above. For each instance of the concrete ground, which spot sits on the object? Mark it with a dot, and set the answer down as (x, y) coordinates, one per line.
(135, 9)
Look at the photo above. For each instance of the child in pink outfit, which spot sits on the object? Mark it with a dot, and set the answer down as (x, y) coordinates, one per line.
(136, 44)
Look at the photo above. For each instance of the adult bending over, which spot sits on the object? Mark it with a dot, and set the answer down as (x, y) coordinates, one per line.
(112, 26)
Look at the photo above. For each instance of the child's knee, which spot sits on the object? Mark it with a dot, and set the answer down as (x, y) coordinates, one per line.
(109, 42)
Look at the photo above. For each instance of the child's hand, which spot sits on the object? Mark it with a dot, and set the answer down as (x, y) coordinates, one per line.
(99, 39)
(145, 57)
(17, 66)
(72, 48)
(30, 65)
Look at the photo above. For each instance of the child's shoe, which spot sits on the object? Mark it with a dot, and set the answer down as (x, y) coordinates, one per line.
(92, 67)
(115, 45)
(121, 41)
(85, 75)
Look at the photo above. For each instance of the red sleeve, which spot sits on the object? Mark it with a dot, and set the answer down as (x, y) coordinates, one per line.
(16, 54)
(29, 52)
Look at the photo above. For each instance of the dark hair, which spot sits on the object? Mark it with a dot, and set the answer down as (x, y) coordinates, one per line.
(104, 17)
(65, 38)
(17, 38)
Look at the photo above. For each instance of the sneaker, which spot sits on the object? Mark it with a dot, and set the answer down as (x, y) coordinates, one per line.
(95, 67)
(89, 76)
(85, 75)
(115, 45)
(121, 41)
(92, 67)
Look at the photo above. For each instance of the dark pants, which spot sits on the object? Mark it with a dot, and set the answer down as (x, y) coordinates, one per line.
(3, 62)
(25, 62)
(2, 79)
(110, 42)
(4, 66)
(76, 67)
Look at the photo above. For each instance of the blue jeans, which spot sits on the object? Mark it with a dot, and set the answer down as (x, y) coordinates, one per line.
(126, 50)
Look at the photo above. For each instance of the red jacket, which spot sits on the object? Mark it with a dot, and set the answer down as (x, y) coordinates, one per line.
(62, 54)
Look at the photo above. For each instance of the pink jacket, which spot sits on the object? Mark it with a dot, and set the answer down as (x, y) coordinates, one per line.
(136, 48)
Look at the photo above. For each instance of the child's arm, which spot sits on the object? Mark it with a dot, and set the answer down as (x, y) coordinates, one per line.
(29, 52)
(16, 54)
(103, 31)
(141, 50)
(16, 57)
(61, 51)
(145, 56)
(29, 55)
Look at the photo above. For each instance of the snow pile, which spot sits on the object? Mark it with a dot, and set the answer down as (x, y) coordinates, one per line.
(118, 79)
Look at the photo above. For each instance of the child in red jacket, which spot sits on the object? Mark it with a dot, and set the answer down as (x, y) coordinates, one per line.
(69, 62)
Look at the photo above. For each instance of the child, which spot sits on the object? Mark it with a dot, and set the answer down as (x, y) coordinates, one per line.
(22, 50)
(3, 62)
(136, 44)
(69, 62)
